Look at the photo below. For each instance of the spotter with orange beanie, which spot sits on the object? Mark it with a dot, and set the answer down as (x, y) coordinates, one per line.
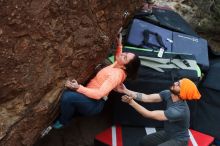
(176, 116)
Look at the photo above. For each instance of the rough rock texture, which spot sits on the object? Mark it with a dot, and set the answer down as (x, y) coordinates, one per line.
(42, 43)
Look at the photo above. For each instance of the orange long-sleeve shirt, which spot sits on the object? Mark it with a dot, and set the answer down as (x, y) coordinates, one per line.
(105, 80)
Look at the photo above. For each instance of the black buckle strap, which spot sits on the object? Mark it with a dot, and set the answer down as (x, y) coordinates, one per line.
(146, 42)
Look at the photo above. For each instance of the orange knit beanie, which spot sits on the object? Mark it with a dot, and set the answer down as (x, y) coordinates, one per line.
(188, 90)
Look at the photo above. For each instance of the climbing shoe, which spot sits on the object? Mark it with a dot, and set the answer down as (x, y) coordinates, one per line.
(57, 125)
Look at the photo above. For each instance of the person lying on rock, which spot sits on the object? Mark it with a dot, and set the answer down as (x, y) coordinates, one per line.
(176, 116)
(90, 99)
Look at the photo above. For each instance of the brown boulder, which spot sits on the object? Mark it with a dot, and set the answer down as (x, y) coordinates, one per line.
(42, 43)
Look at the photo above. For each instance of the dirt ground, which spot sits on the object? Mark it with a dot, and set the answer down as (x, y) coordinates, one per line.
(80, 132)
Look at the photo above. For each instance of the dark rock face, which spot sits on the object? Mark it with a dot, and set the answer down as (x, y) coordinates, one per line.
(42, 43)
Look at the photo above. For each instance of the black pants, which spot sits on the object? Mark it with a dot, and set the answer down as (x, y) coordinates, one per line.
(160, 138)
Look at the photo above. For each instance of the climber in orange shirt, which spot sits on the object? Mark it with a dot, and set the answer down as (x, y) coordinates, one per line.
(89, 100)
